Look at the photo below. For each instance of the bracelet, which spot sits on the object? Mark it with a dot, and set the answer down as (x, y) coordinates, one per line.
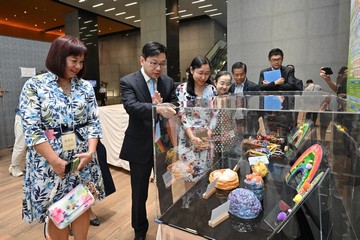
(92, 154)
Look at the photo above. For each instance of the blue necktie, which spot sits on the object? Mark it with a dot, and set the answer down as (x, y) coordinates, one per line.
(151, 86)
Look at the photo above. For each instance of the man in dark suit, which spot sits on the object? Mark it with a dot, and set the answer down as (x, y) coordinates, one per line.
(137, 148)
(287, 80)
(242, 84)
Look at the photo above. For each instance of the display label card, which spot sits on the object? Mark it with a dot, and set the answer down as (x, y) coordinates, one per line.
(210, 189)
(219, 214)
(253, 160)
(168, 179)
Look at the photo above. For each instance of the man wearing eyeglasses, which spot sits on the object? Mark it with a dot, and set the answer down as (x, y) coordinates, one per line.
(139, 91)
(287, 80)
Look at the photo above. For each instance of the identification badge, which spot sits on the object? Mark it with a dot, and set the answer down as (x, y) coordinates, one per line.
(68, 141)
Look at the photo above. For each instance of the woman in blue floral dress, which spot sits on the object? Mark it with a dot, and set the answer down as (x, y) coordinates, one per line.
(199, 121)
(60, 119)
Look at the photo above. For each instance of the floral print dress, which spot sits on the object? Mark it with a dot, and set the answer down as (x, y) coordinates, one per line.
(44, 106)
(197, 113)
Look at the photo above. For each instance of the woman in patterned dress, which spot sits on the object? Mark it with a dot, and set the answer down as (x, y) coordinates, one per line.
(60, 119)
(198, 122)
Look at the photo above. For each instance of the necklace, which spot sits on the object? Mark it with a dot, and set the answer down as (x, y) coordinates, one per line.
(65, 86)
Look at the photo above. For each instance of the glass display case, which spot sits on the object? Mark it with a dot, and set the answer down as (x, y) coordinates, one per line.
(284, 165)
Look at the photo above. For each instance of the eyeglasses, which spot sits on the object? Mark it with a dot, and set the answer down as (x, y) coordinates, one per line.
(276, 60)
(155, 65)
(206, 74)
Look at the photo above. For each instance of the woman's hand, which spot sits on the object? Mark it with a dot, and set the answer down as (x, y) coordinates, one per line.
(85, 158)
(59, 167)
(196, 140)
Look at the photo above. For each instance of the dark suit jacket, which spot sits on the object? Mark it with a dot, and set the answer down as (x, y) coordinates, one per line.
(289, 84)
(138, 142)
(248, 86)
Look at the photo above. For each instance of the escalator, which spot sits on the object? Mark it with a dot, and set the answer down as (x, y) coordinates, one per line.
(218, 56)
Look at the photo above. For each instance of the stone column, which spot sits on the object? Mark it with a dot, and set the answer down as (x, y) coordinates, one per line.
(83, 25)
(160, 22)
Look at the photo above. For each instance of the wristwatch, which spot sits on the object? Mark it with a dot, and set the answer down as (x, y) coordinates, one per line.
(92, 154)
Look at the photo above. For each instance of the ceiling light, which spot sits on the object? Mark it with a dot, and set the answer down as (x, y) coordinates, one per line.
(129, 17)
(93, 30)
(81, 1)
(130, 4)
(83, 28)
(215, 14)
(110, 9)
(170, 13)
(98, 5)
(205, 6)
(199, 1)
(86, 22)
(121, 13)
(138, 20)
(187, 15)
(174, 17)
(181, 11)
(211, 10)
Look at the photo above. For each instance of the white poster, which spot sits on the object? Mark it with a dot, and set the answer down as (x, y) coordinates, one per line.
(27, 72)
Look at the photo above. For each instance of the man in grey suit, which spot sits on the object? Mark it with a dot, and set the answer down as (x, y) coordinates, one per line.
(287, 80)
(140, 90)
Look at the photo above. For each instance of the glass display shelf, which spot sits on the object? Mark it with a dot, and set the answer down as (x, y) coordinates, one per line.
(229, 133)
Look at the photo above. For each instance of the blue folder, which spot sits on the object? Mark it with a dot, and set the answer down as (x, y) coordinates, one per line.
(272, 76)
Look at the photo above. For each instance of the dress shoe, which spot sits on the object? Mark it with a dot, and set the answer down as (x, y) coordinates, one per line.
(95, 221)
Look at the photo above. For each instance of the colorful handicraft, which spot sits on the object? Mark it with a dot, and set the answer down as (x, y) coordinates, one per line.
(300, 134)
(306, 165)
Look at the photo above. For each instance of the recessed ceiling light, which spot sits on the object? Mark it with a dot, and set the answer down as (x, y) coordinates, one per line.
(181, 11)
(121, 13)
(97, 5)
(187, 15)
(81, 1)
(199, 1)
(129, 17)
(130, 4)
(138, 20)
(110, 9)
(211, 10)
(205, 6)
(25, 12)
(215, 14)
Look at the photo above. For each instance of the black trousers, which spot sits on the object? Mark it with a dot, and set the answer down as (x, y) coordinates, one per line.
(140, 175)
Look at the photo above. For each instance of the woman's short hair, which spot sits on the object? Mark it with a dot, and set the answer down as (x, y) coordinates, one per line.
(60, 49)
